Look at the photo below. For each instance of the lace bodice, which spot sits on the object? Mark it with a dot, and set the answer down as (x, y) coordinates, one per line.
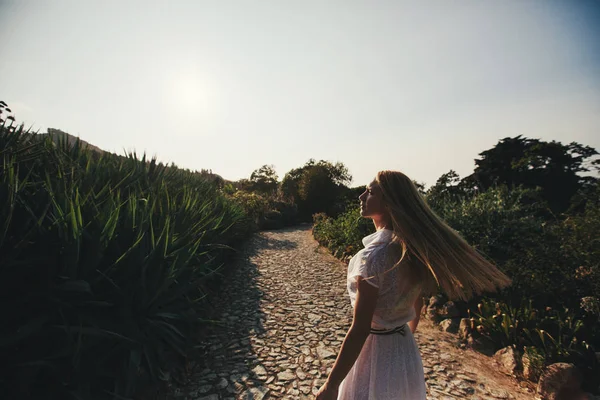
(375, 263)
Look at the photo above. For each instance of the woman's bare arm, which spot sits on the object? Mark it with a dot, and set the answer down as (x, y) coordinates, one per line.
(366, 299)
(418, 305)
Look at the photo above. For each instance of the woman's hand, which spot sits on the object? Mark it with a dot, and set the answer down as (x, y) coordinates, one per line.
(327, 392)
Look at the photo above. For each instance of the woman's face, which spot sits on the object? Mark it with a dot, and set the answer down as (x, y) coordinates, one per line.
(371, 202)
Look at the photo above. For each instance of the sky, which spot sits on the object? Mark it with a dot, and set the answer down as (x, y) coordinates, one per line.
(421, 87)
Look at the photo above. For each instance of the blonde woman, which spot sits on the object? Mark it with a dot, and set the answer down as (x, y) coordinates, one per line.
(413, 252)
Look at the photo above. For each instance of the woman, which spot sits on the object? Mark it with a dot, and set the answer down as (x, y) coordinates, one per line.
(412, 253)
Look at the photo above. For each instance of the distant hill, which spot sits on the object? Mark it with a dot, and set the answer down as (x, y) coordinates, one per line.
(57, 134)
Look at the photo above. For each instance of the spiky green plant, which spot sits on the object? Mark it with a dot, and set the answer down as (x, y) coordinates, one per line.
(103, 261)
(554, 332)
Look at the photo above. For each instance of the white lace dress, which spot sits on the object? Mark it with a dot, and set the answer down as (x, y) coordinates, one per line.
(389, 366)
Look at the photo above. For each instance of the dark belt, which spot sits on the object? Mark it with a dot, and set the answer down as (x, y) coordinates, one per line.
(398, 329)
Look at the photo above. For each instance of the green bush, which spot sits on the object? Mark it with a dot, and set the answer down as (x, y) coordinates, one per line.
(554, 335)
(255, 205)
(342, 235)
(104, 260)
(266, 212)
(553, 261)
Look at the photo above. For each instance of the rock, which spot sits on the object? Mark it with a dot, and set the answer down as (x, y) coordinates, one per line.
(528, 371)
(286, 376)
(255, 393)
(508, 360)
(259, 370)
(434, 314)
(450, 325)
(324, 352)
(204, 389)
(464, 328)
(450, 310)
(435, 301)
(560, 381)
(210, 397)
(222, 383)
(300, 374)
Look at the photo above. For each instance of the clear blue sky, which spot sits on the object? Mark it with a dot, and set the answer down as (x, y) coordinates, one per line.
(417, 86)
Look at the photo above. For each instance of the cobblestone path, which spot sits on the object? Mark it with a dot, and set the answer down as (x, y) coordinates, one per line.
(285, 312)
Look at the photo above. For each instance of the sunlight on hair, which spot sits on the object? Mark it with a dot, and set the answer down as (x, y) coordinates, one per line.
(447, 260)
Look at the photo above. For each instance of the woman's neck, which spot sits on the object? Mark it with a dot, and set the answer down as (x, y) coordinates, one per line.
(382, 223)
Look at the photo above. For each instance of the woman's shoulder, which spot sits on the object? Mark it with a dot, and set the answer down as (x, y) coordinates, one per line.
(384, 252)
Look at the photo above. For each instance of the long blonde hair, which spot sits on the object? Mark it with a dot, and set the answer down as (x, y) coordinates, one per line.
(445, 259)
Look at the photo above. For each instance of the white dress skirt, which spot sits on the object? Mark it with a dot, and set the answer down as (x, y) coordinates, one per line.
(389, 367)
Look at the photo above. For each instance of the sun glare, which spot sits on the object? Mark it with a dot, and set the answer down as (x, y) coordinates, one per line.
(189, 96)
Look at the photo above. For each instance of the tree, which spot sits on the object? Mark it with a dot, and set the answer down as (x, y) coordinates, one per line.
(316, 186)
(337, 173)
(264, 179)
(531, 163)
(211, 177)
(446, 185)
(317, 191)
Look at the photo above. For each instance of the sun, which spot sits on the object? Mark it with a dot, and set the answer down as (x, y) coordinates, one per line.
(189, 95)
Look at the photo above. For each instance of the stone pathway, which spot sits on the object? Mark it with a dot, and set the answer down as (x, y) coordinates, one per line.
(284, 314)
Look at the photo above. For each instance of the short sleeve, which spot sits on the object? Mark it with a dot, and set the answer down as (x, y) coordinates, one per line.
(370, 266)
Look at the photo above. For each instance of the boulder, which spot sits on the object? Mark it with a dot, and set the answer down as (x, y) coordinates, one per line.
(432, 314)
(450, 310)
(433, 309)
(464, 328)
(560, 381)
(450, 325)
(508, 360)
(435, 302)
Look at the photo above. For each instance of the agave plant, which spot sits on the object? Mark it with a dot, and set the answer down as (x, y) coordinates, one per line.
(103, 260)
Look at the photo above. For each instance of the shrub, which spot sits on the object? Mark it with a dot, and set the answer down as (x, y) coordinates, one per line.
(557, 335)
(104, 260)
(342, 235)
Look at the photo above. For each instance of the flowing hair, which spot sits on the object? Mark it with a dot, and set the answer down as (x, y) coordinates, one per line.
(445, 259)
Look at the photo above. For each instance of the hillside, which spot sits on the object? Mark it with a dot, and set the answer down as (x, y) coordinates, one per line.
(57, 134)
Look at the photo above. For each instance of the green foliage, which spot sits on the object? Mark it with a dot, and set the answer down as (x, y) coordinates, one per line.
(536, 361)
(264, 179)
(316, 187)
(286, 213)
(104, 260)
(342, 235)
(557, 335)
(254, 204)
(531, 163)
(265, 212)
(557, 332)
(540, 253)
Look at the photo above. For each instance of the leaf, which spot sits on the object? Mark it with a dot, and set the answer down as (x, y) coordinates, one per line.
(76, 286)
(94, 332)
